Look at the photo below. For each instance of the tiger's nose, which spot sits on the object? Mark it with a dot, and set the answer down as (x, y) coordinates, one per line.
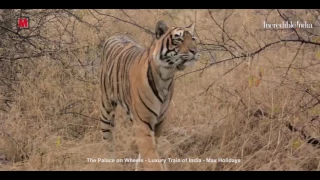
(193, 51)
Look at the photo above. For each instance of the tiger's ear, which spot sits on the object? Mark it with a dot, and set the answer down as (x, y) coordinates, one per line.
(161, 29)
(191, 28)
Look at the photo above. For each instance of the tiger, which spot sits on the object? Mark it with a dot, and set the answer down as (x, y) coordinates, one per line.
(141, 80)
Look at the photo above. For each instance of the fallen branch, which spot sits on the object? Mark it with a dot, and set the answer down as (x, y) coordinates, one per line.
(309, 139)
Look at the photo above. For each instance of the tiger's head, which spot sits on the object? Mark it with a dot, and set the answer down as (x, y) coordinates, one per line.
(175, 47)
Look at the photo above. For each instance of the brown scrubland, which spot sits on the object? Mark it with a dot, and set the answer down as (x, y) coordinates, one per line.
(253, 98)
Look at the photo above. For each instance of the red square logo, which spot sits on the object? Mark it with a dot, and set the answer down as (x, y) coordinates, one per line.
(23, 22)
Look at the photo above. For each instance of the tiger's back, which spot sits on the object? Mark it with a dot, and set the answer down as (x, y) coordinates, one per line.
(119, 53)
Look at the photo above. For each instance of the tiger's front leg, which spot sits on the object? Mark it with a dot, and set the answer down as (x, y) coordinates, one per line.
(146, 143)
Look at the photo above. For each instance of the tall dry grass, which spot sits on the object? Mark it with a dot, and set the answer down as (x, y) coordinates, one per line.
(53, 122)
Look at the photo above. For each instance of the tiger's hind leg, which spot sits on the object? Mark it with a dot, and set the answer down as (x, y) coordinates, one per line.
(107, 115)
(138, 165)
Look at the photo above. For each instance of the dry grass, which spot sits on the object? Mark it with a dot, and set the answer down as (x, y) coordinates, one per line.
(52, 125)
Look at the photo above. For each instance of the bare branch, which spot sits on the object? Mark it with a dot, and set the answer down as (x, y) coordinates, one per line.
(70, 13)
(128, 22)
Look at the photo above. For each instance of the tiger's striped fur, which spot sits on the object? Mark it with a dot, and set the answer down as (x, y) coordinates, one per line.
(142, 82)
